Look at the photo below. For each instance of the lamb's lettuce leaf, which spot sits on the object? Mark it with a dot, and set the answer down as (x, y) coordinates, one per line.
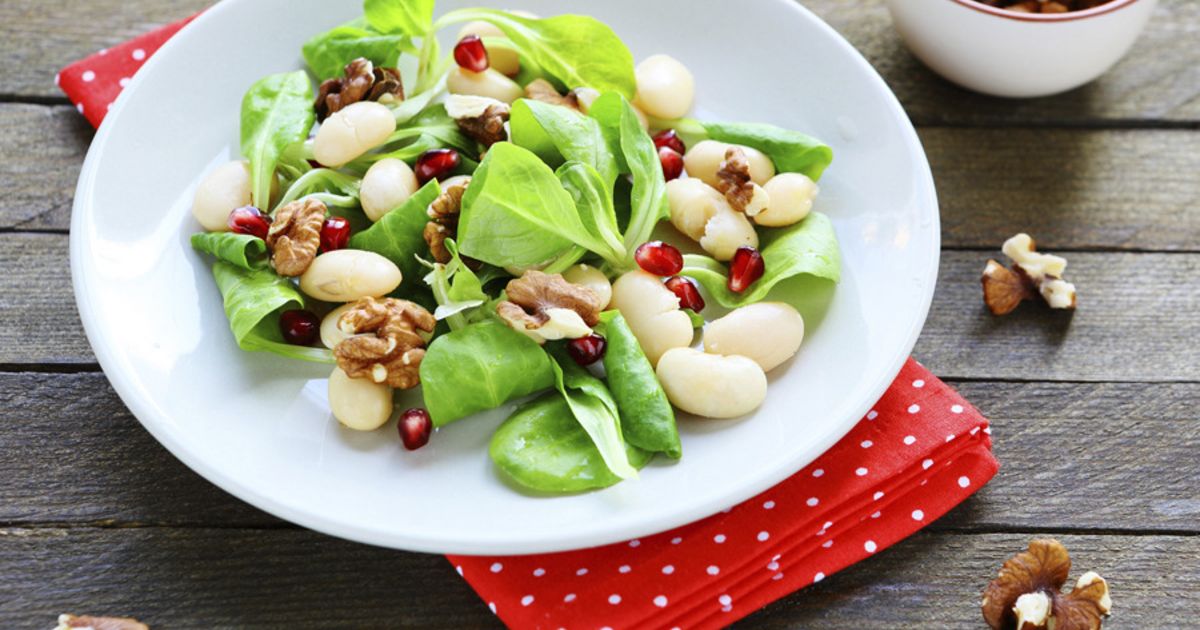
(328, 53)
(434, 122)
(456, 289)
(595, 410)
(647, 419)
(399, 234)
(543, 448)
(808, 247)
(593, 202)
(557, 134)
(254, 299)
(409, 17)
(243, 250)
(481, 367)
(791, 151)
(276, 112)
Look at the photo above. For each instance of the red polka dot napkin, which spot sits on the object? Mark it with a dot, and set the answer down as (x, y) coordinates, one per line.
(918, 453)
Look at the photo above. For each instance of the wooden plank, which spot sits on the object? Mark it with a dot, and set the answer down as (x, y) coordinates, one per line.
(189, 578)
(1159, 80)
(1096, 456)
(1133, 323)
(40, 186)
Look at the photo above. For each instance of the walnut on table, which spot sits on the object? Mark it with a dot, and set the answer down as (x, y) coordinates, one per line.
(1033, 274)
(295, 236)
(82, 622)
(1027, 593)
(362, 82)
(387, 345)
(547, 307)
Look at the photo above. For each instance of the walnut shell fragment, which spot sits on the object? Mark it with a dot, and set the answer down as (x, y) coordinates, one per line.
(295, 236)
(362, 82)
(1027, 593)
(386, 345)
(546, 307)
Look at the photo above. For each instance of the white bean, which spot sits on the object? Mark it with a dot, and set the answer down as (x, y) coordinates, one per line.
(769, 333)
(705, 157)
(726, 231)
(652, 312)
(351, 132)
(592, 278)
(345, 275)
(665, 87)
(790, 198)
(489, 83)
(359, 403)
(387, 184)
(227, 187)
(711, 385)
(331, 335)
(692, 204)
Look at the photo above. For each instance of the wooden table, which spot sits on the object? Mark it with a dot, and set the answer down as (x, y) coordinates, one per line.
(1095, 416)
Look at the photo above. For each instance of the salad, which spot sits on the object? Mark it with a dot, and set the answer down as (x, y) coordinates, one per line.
(530, 217)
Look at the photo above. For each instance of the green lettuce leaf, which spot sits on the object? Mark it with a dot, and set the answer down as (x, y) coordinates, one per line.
(593, 202)
(456, 289)
(594, 408)
(328, 53)
(399, 234)
(243, 250)
(277, 111)
(253, 300)
(791, 151)
(647, 418)
(410, 17)
(557, 134)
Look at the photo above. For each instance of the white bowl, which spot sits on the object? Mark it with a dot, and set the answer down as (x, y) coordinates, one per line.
(259, 426)
(1005, 53)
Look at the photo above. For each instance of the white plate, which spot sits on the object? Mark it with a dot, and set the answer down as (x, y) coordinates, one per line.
(257, 425)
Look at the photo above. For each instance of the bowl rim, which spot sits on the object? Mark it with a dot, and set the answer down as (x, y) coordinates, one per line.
(1046, 18)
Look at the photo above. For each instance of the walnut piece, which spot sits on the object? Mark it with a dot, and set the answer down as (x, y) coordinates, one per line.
(1035, 273)
(733, 180)
(542, 90)
(387, 345)
(546, 307)
(1044, 6)
(443, 219)
(362, 82)
(295, 236)
(1004, 289)
(66, 622)
(479, 117)
(1027, 593)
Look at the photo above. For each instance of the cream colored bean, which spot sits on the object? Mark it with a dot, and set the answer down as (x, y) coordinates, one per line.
(331, 335)
(592, 278)
(652, 312)
(502, 57)
(665, 87)
(358, 403)
(703, 214)
(705, 157)
(726, 231)
(345, 275)
(790, 199)
(711, 385)
(489, 83)
(767, 332)
(387, 184)
(351, 132)
(227, 187)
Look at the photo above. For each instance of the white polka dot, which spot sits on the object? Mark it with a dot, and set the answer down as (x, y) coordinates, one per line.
(124, 81)
(88, 76)
(108, 107)
(492, 607)
(713, 569)
(876, 514)
(869, 546)
(581, 572)
(918, 515)
(497, 567)
(669, 569)
(459, 569)
(527, 600)
(987, 430)
(676, 540)
(774, 566)
(818, 472)
(827, 525)
(725, 600)
(827, 544)
(956, 408)
(867, 444)
(138, 54)
(861, 472)
(777, 576)
(768, 505)
(635, 543)
(949, 438)
(914, 408)
(812, 501)
(614, 599)
(661, 601)
(878, 495)
(719, 538)
(974, 430)
(762, 536)
(57, 78)
(569, 598)
(926, 464)
(872, 414)
(727, 510)
(818, 577)
(102, 51)
(539, 572)
(909, 440)
(918, 383)
(963, 482)
(79, 106)
(624, 568)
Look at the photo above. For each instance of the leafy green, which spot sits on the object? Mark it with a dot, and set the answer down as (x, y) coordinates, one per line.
(244, 250)
(455, 288)
(399, 234)
(410, 17)
(594, 408)
(791, 151)
(593, 202)
(276, 112)
(557, 134)
(543, 448)
(481, 367)
(647, 419)
(327, 53)
(515, 213)
(322, 180)
(578, 51)
(253, 300)
(808, 247)
(433, 121)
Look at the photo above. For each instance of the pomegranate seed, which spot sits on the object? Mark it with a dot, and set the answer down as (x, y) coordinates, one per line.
(587, 350)
(745, 269)
(436, 164)
(470, 54)
(669, 139)
(335, 234)
(659, 258)
(249, 220)
(299, 327)
(672, 163)
(686, 291)
(415, 427)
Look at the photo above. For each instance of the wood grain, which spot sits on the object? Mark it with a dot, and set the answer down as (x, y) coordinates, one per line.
(37, 307)
(194, 578)
(40, 187)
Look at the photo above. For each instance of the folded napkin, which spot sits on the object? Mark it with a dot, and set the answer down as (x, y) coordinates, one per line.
(920, 451)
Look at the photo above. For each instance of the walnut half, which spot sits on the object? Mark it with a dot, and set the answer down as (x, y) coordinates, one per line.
(1027, 593)
(386, 346)
(70, 622)
(547, 307)
(733, 180)
(443, 219)
(295, 236)
(363, 81)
